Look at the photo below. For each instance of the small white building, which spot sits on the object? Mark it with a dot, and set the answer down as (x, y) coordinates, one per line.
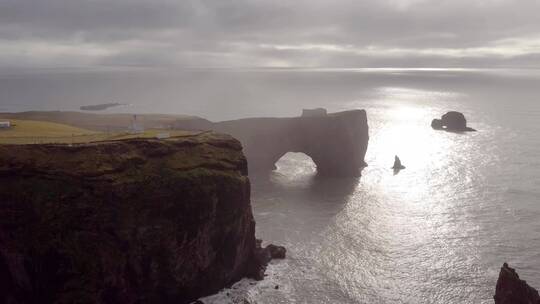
(135, 127)
(5, 124)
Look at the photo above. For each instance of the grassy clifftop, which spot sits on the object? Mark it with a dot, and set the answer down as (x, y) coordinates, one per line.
(44, 132)
(128, 221)
(113, 154)
(101, 122)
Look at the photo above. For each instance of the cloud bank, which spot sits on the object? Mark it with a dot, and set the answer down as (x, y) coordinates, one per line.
(269, 33)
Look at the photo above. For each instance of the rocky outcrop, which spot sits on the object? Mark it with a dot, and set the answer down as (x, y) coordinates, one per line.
(451, 121)
(336, 142)
(263, 256)
(512, 290)
(397, 164)
(135, 221)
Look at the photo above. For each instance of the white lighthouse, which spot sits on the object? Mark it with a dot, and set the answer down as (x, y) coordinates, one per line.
(136, 128)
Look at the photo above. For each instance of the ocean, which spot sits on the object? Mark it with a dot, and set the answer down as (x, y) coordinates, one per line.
(437, 232)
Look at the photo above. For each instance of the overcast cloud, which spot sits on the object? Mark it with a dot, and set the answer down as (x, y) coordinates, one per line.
(270, 33)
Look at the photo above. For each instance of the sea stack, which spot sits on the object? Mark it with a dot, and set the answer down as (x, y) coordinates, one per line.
(512, 290)
(397, 164)
(452, 121)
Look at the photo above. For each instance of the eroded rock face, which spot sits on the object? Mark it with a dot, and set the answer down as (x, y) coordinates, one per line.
(138, 221)
(336, 142)
(451, 121)
(512, 290)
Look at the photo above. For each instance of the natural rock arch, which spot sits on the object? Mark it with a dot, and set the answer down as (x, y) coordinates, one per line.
(290, 160)
(336, 142)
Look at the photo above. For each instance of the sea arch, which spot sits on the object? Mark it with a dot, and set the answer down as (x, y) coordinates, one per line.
(337, 143)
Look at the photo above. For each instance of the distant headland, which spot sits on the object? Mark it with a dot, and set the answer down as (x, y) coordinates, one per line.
(101, 107)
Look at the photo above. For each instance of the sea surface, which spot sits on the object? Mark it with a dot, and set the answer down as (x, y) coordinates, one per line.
(437, 232)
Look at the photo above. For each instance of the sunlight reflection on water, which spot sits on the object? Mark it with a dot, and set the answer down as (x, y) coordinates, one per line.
(437, 232)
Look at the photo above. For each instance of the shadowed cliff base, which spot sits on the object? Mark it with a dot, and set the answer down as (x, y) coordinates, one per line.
(131, 221)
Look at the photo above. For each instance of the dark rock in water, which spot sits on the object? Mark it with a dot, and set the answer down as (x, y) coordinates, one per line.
(134, 221)
(263, 256)
(452, 121)
(512, 290)
(397, 164)
(437, 124)
(336, 142)
(276, 252)
(261, 259)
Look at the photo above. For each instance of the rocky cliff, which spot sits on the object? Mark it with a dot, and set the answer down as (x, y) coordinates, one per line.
(512, 290)
(136, 221)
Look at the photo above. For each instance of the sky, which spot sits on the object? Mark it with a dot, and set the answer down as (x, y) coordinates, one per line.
(269, 33)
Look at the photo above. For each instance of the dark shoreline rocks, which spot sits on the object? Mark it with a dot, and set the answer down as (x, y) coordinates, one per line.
(512, 290)
(453, 122)
(263, 256)
(133, 221)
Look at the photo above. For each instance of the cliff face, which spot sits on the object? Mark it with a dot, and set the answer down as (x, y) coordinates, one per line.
(138, 221)
(336, 142)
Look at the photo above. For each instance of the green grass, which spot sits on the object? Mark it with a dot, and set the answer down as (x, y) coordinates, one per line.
(41, 132)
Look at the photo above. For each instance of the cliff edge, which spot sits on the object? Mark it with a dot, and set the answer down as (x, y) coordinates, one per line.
(337, 142)
(133, 221)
